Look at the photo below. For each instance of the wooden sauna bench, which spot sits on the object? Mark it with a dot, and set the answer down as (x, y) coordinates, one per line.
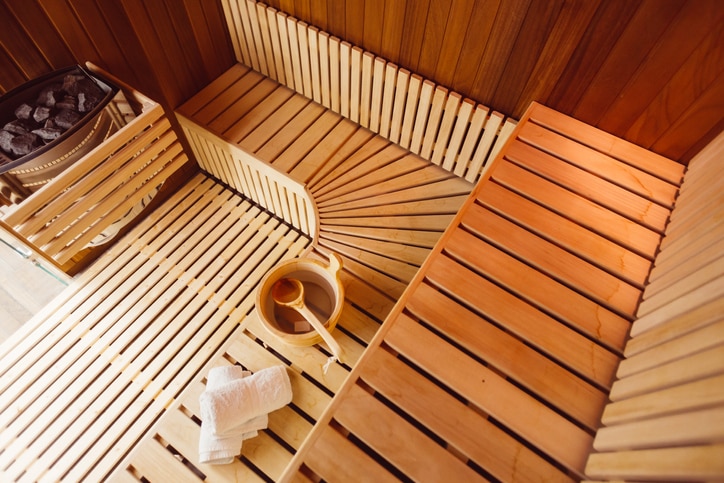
(497, 361)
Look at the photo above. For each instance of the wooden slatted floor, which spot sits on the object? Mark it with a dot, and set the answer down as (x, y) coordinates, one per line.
(98, 367)
(497, 362)
(381, 208)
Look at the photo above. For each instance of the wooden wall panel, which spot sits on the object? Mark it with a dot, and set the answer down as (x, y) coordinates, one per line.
(649, 71)
(166, 49)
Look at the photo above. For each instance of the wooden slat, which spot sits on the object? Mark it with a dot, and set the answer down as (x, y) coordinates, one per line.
(621, 174)
(616, 147)
(418, 132)
(691, 428)
(454, 422)
(679, 371)
(687, 397)
(541, 376)
(388, 99)
(378, 82)
(606, 289)
(589, 186)
(579, 209)
(398, 107)
(450, 112)
(355, 84)
(486, 141)
(366, 89)
(546, 334)
(380, 429)
(521, 413)
(569, 235)
(692, 462)
(349, 462)
(433, 122)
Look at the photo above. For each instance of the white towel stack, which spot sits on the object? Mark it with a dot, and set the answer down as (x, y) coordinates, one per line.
(235, 406)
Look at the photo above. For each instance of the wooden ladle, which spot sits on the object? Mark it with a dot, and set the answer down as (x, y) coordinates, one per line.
(289, 292)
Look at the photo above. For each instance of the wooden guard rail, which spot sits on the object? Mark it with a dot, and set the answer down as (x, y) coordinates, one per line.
(255, 179)
(438, 125)
(63, 217)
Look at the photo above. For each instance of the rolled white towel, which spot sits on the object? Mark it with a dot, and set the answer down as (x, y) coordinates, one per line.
(239, 400)
(218, 450)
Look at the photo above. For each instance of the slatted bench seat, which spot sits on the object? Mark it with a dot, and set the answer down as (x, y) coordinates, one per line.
(497, 361)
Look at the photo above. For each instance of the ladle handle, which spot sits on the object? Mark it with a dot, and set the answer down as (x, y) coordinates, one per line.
(319, 327)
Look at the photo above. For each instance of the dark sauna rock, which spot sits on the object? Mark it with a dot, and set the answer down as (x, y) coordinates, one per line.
(6, 140)
(66, 118)
(47, 95)
(16, 127)
(41, 113)
(68, 103)
(23, 111)
(23, 144)
(58, 107)
(48, 133)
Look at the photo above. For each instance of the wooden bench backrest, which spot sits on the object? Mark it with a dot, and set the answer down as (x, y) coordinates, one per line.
(273, 190)
(666, 417)
(438, 125)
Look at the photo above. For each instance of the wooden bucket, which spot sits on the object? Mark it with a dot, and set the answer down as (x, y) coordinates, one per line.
(324, 295)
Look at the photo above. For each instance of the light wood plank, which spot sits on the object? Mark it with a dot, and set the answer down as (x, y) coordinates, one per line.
(424, 105)
(450, 113)
(579, 209)
(478, 119)
(691, 428)
(606, 289)
(482, 152)
(388, 99)
(349, 462)
(408, 121)
(589, 186)
(381, 429)
(398, 107)
(551, 296)
(366, 89)
(433, 122)
(454, 422)
(521, 413)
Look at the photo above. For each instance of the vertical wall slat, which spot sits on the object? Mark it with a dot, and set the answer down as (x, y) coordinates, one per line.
(388, 99)
(378, 83)
(335, 64)
(355, 74)
(324, 58)
(313, 40)
(480, 114)
(261, 14)
(366, 94)
(458, 133)
(486, 141)
(345, 52)
(398, 108)
(305, 59)
(244, 7)
(423, 109)
(294, 50)
(433, 123)
(286, 50)
(408, 121)
(276, 46)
